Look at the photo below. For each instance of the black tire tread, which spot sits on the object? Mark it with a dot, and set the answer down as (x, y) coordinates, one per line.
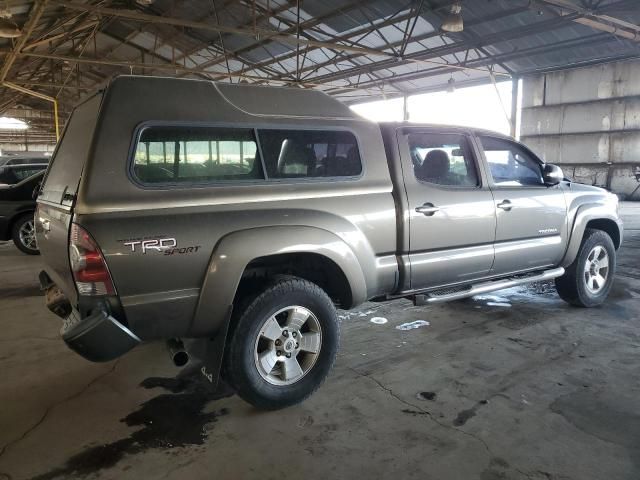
(279, 286)
(567, 284)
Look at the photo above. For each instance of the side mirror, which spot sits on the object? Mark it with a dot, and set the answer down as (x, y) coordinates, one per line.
(552, 174)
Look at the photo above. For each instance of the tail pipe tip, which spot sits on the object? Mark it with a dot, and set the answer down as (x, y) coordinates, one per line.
(179, 356)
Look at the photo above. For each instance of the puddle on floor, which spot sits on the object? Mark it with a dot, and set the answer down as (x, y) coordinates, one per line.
(413, 325)
(169, 420)
(499, 304)
(533, 292)
(378, 320)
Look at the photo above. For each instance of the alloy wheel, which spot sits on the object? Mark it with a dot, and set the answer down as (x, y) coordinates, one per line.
(596, 269)
(288, 345)
(27, 235)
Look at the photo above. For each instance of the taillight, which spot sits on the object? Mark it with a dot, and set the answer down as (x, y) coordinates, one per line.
(89, 269)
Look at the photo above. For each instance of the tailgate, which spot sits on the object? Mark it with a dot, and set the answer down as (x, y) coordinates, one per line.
(58, 193)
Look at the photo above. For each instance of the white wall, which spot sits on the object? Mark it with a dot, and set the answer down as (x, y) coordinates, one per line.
(588, 121)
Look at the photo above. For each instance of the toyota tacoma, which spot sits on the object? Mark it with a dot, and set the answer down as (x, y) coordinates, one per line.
(235, 219)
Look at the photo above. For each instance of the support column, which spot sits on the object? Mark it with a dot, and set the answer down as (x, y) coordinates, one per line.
(515, 85)
(405, 108)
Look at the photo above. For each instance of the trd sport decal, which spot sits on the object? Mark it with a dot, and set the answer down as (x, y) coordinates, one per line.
(166, 245)
(157, 244)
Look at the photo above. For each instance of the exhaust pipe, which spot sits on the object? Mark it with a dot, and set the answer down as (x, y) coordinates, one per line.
(179, 356)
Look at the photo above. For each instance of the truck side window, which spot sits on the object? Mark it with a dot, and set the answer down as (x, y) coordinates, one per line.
(188, 154)
(310, 153)
(510, 164)
(443, 159)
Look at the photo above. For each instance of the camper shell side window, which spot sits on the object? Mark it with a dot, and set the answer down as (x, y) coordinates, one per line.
(191, 154)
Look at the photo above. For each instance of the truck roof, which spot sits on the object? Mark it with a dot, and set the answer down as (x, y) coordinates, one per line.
(255, 100)
(437, 126)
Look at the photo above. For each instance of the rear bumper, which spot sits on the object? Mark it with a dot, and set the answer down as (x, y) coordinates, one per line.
(98, 337)
(93, 332)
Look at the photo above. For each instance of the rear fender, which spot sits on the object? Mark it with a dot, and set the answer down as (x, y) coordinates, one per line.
(584, 215)
(235, 251)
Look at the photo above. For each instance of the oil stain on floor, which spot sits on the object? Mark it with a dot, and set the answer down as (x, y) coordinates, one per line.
(184, 427)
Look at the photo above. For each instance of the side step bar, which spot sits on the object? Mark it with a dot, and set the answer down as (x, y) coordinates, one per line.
(433, 297)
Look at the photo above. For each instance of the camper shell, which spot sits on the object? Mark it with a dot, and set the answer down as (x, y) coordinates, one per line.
(91, 181)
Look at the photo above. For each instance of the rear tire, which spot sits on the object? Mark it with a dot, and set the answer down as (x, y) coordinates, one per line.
(283, 345)
(23, 234)
(588, 280)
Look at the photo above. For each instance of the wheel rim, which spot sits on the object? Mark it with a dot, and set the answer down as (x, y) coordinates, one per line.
(27, 235)
(596, 269)
(288, 345)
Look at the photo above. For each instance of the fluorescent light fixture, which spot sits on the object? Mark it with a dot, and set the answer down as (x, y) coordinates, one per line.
(451, 85)
(8, 29)
(8, 123)
(453, 22)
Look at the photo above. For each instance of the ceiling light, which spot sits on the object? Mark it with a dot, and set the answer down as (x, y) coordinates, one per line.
(453, 21)
(9, 30)
(451, 85)
(8, 123)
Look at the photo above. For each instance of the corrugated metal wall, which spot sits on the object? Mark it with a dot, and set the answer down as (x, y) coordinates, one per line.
(587, 120)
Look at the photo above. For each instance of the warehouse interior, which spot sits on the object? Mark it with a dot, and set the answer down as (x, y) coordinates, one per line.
(510, 385)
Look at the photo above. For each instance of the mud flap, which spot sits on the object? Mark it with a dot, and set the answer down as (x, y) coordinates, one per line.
(213, 353)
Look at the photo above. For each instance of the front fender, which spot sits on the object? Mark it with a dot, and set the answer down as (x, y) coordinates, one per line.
(236, 250)
(584, 214)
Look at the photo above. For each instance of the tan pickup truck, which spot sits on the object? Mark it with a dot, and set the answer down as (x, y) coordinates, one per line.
(234, 219)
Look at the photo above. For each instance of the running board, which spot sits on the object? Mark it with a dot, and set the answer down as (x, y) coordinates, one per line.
(448, 295)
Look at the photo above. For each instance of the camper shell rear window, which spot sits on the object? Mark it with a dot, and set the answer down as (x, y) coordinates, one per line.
(65, 169)
(183, 155)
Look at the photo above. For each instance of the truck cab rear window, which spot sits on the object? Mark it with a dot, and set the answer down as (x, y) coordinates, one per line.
(310, 153)
(170, 154)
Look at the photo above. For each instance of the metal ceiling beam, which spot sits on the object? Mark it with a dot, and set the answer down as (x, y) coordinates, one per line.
(592, 19)
(335, 55)
(232, 53)
(34, 17)
(461, 46)
(345, 38)
(286, 38)
(457, 47)
(47, 40)
(38, 72)
(307, 24)
(154, 19)
(505, 57)
(157, 66)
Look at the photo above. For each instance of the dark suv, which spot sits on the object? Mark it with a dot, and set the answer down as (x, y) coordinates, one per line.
(18, 185)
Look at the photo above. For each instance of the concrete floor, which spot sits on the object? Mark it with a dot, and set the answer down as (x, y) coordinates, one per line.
(514, 385)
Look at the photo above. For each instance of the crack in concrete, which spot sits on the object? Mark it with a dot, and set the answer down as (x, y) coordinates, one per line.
(428, 414)
(52, 407)
(417, 407)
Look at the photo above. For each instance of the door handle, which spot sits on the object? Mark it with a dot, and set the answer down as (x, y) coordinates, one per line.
(427, 209)
(505, 205)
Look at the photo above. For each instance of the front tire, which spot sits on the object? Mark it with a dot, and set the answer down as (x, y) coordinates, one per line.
(283, 345)
(588, 280)
(23, 234)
